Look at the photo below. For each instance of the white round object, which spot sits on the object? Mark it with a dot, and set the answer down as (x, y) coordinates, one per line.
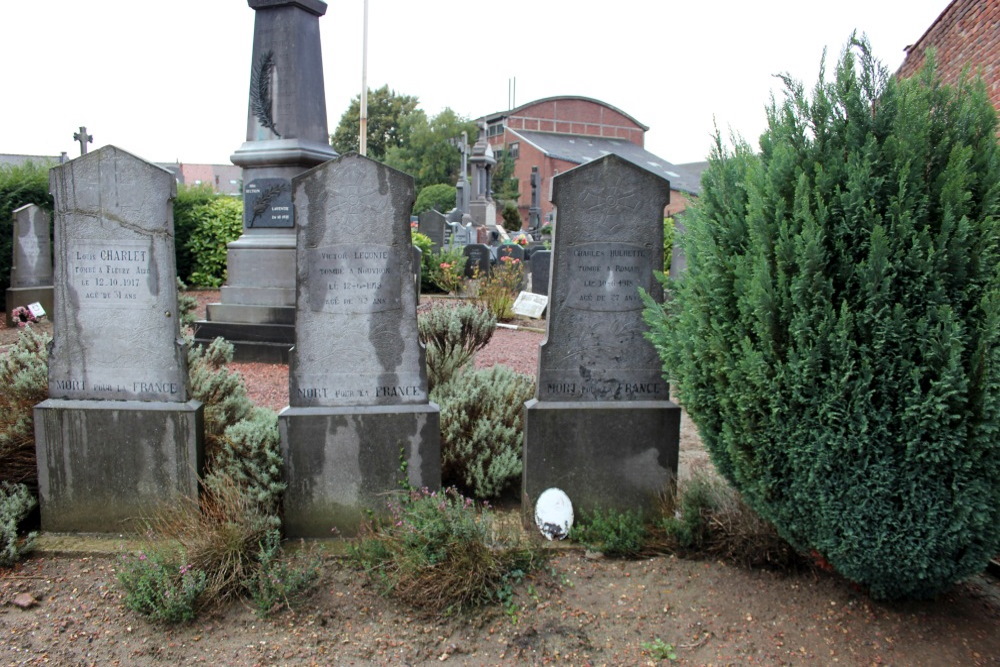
(554, 514)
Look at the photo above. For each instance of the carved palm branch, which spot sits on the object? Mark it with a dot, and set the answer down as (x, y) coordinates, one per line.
(260, 91)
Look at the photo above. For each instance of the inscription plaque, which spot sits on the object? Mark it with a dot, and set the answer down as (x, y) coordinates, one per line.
(267, 202)
(607, 276)
(354, 278)
(113, 274)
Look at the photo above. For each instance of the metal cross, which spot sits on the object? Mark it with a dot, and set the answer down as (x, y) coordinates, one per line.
(84, 139)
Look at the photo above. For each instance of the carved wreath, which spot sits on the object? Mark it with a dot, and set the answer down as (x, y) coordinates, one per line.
(266, 198)
(260, 91)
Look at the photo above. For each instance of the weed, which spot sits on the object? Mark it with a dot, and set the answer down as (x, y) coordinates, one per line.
(660, 650)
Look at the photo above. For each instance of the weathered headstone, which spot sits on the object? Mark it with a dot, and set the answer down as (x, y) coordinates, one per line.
(602, 427)
(477, 260)
(358, 402)
(119, 436)
(541, 262)
(286, 134)
(433, 225)
(31, 265)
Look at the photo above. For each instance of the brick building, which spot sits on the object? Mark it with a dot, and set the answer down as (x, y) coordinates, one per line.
(556, 134)
(966, 34)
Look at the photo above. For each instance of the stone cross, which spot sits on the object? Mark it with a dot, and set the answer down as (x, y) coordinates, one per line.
(83, 138)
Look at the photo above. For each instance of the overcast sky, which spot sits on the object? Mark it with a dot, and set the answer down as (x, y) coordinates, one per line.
(168, 80)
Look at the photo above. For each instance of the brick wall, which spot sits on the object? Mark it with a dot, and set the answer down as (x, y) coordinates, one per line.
(967, 33)
(577, 116)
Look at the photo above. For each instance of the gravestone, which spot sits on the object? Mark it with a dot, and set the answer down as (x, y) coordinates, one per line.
(541, 262)
(433, 225)
(286, 134)
(477, 260)
(118, 437)
(358, 402)
(601, 426)
(31, 263)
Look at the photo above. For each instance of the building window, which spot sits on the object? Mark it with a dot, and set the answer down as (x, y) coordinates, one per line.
(494, 130)
(515, 150)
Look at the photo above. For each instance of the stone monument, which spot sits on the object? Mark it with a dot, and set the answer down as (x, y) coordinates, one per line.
(602, 427)
(286, 134)
(358, 402)
(482, 208)
(119, 436)
(31, 265)
(535, 210)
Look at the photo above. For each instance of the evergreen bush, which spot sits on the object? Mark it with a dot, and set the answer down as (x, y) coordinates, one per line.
(451, 336)
(835, 336)
(215, 224)
(16, 502)
(24, 376)
(481, 428)
(189, 201)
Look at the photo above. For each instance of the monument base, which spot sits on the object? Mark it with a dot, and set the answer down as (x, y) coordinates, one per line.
(341, 463)
(263, 343)
(603, 455)
(22, 296)
(257, 313)
(104, 466)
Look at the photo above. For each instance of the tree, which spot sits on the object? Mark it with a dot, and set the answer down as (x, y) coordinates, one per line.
(505, 186)
(386, 114)
(836, 336)
(427, 153)
(440, 197)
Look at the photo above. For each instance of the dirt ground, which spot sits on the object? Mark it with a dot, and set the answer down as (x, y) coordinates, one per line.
(578, 610)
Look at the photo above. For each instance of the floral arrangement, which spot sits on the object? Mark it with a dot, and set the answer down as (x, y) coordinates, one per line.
(23, 317)
(521, 240)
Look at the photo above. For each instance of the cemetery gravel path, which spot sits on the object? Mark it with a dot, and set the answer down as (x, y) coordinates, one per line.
(63, 608)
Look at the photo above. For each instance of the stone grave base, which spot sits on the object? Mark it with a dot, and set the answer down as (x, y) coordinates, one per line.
(602, 455)
(104, 466)
(342, 462)
(22, 296)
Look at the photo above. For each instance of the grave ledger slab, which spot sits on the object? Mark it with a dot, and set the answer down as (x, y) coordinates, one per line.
(358, 401)
(601, 426)
(119, 436)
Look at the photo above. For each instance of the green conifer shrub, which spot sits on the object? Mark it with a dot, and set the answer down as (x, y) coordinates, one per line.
(482, 427)
(835, 337)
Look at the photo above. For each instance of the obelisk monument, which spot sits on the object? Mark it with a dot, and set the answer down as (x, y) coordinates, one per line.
(286, 135)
